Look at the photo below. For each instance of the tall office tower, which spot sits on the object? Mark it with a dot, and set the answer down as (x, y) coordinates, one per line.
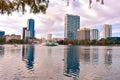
(107, 31)
(31, 28)
(94, 34)
(83, 34)
(23, 35)
(72, 23)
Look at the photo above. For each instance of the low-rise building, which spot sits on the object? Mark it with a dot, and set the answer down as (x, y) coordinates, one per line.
(13, 36)
(113, 38)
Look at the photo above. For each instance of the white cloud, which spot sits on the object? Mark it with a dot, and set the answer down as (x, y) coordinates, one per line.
(53, 20)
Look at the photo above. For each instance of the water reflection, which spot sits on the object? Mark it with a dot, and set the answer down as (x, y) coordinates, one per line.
(1, 51)
(95, 56)
(84, 55)
(28, 56)
(87, 55)
(108, 56)
(71, 62)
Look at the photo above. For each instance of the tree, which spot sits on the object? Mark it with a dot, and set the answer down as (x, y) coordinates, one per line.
(36, 6)
(2, 40)
(103, 41)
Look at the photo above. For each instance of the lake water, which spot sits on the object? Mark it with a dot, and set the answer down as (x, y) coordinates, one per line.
(36, 62)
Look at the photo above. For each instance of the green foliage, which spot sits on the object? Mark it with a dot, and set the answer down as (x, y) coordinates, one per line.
(2, 40)
(102, 41)
(61, 42)
(36, 6)
(16, 41)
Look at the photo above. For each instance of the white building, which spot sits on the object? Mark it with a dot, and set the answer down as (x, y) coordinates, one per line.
(27, 34)
(94, 34)
(107, 31)
(49, 37)
(13, 36)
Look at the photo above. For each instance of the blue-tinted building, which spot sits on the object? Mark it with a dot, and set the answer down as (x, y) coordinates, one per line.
(72, 24)
(71, 62)
(114, 38)
(28, 56)
(2, 33)
(31, 25)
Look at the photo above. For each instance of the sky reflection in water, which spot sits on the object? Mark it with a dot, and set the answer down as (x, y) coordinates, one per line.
(35, 62)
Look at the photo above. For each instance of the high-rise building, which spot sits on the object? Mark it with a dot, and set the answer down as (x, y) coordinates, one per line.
(23, 35)
(107, 31)
(72, 23)
(83, 34)
(49, 37)
(2, 34)
(94, 34)
(31, 28)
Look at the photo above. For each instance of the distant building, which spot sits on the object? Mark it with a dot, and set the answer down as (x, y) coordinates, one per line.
(13, 36)
(23, 35)
(27, 35)
(2, 34)
(72, 23)
(94, 34)
(83, 34)
(49, 37)
(113, 38)
(31, 25)
(107, 31)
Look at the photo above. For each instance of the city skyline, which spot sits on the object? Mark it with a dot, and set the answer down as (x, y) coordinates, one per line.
(53, 20)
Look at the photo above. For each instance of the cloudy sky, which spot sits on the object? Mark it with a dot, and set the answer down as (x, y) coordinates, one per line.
(53, 20)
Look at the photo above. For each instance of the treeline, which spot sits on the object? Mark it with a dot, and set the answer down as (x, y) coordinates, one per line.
(12, 41)
(90, 42)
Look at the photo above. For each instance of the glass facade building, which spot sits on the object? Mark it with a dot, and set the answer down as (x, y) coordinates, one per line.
(72, 23)
(113, 38)
(2, 33)
(31, 28)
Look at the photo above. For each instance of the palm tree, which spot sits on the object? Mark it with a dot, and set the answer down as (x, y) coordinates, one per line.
(36, 6)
